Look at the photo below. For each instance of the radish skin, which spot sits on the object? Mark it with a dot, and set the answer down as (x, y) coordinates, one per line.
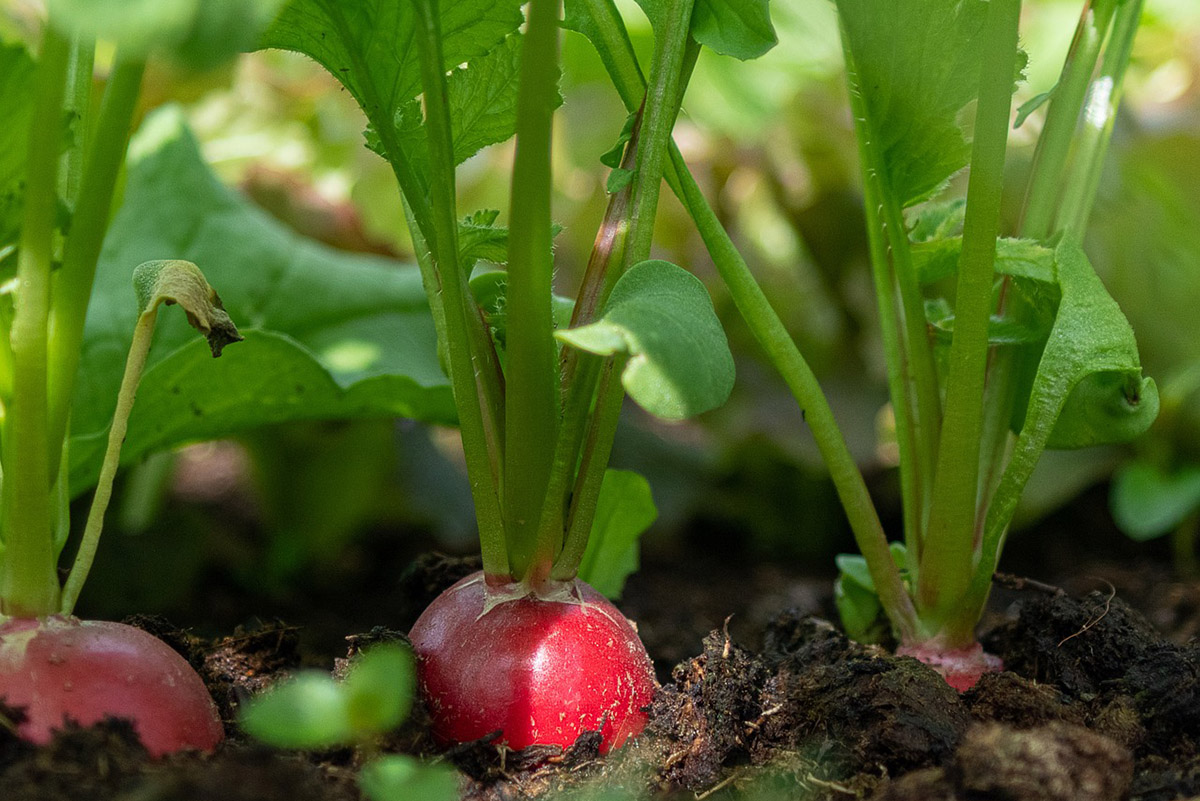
(63, 668)
(539, 669)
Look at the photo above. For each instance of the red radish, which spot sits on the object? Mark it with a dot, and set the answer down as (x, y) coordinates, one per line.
(541, 668)
(61, 667)
(960, 667)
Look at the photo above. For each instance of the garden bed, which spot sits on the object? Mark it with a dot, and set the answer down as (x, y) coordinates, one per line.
(772, 702)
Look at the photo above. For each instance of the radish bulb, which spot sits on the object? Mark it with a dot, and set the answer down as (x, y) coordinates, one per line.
(540, 668)
(62, 668)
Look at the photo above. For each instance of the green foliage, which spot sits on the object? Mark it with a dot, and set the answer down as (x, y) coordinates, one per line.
(624, 511)
(857, 601)
(916, 65)
(370, 47)
(198, 33)
(1148, 501)
(738, 28)
(313, 711)
(483, 108)
(662, 317)
(396, 777)
(937, 259)
(1089, 385)
(328, 334)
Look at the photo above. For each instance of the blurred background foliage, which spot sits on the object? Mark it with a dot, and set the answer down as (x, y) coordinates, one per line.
(772, 143)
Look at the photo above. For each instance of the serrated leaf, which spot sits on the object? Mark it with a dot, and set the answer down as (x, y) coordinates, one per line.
(379, 688)
(661, 316)
(937, 219)
(309, 712)
(328, 334)
(624, 511)
(490, 291)
(916, 65)
(937, 259)
(1090, 337)
(396, 777)
(1148, 502)
(370, 47)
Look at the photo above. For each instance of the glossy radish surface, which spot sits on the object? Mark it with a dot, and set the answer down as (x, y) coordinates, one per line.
(63, 667)
(539, 670)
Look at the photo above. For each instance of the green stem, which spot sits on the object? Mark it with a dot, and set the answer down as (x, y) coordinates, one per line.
(950, 539)
(581, 370)
(444, 226)
(670, 68)
(1054, 144)
(79, 96)
(1099, 113)
(73, 281)
(772, 335)
(1060, 124)
(594, 462)
(915, 462)
(769, 330)
(143, 335)
(28, 583)
(531, 375)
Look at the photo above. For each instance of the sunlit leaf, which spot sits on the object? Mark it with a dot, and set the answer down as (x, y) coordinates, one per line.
(623, 513)
(328, 334)
(661, 316)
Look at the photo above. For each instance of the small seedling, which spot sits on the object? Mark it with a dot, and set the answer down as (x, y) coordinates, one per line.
(313, 711)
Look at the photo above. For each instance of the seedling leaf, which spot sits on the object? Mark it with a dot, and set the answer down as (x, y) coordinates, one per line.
(1148, 502)
(309, 712)
(1090, 337)
(379, 689)
(624, 511)
(738, 28)
(661, 316)
(396, 777)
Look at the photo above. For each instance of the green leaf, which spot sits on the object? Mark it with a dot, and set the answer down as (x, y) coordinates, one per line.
(624, 511)
(379, 688)
(1090, 337)
(738, 28)
(370, 47)
(174, 281)
(854, 595)
(309, 711)
(396, 777)
(917, 65)
(661, 316)
(198, 33)
(1031, 105)
(328, 334)
(490, 291)
(1148, 502)
(937, 259)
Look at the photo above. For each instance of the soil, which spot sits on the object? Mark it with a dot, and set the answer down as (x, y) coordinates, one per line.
(762, 698)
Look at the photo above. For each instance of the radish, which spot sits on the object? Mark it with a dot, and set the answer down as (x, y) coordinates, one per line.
(540, 668)
(61, 668)
(53, 666)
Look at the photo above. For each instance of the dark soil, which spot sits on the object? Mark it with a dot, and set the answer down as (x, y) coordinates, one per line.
(1095, 703)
